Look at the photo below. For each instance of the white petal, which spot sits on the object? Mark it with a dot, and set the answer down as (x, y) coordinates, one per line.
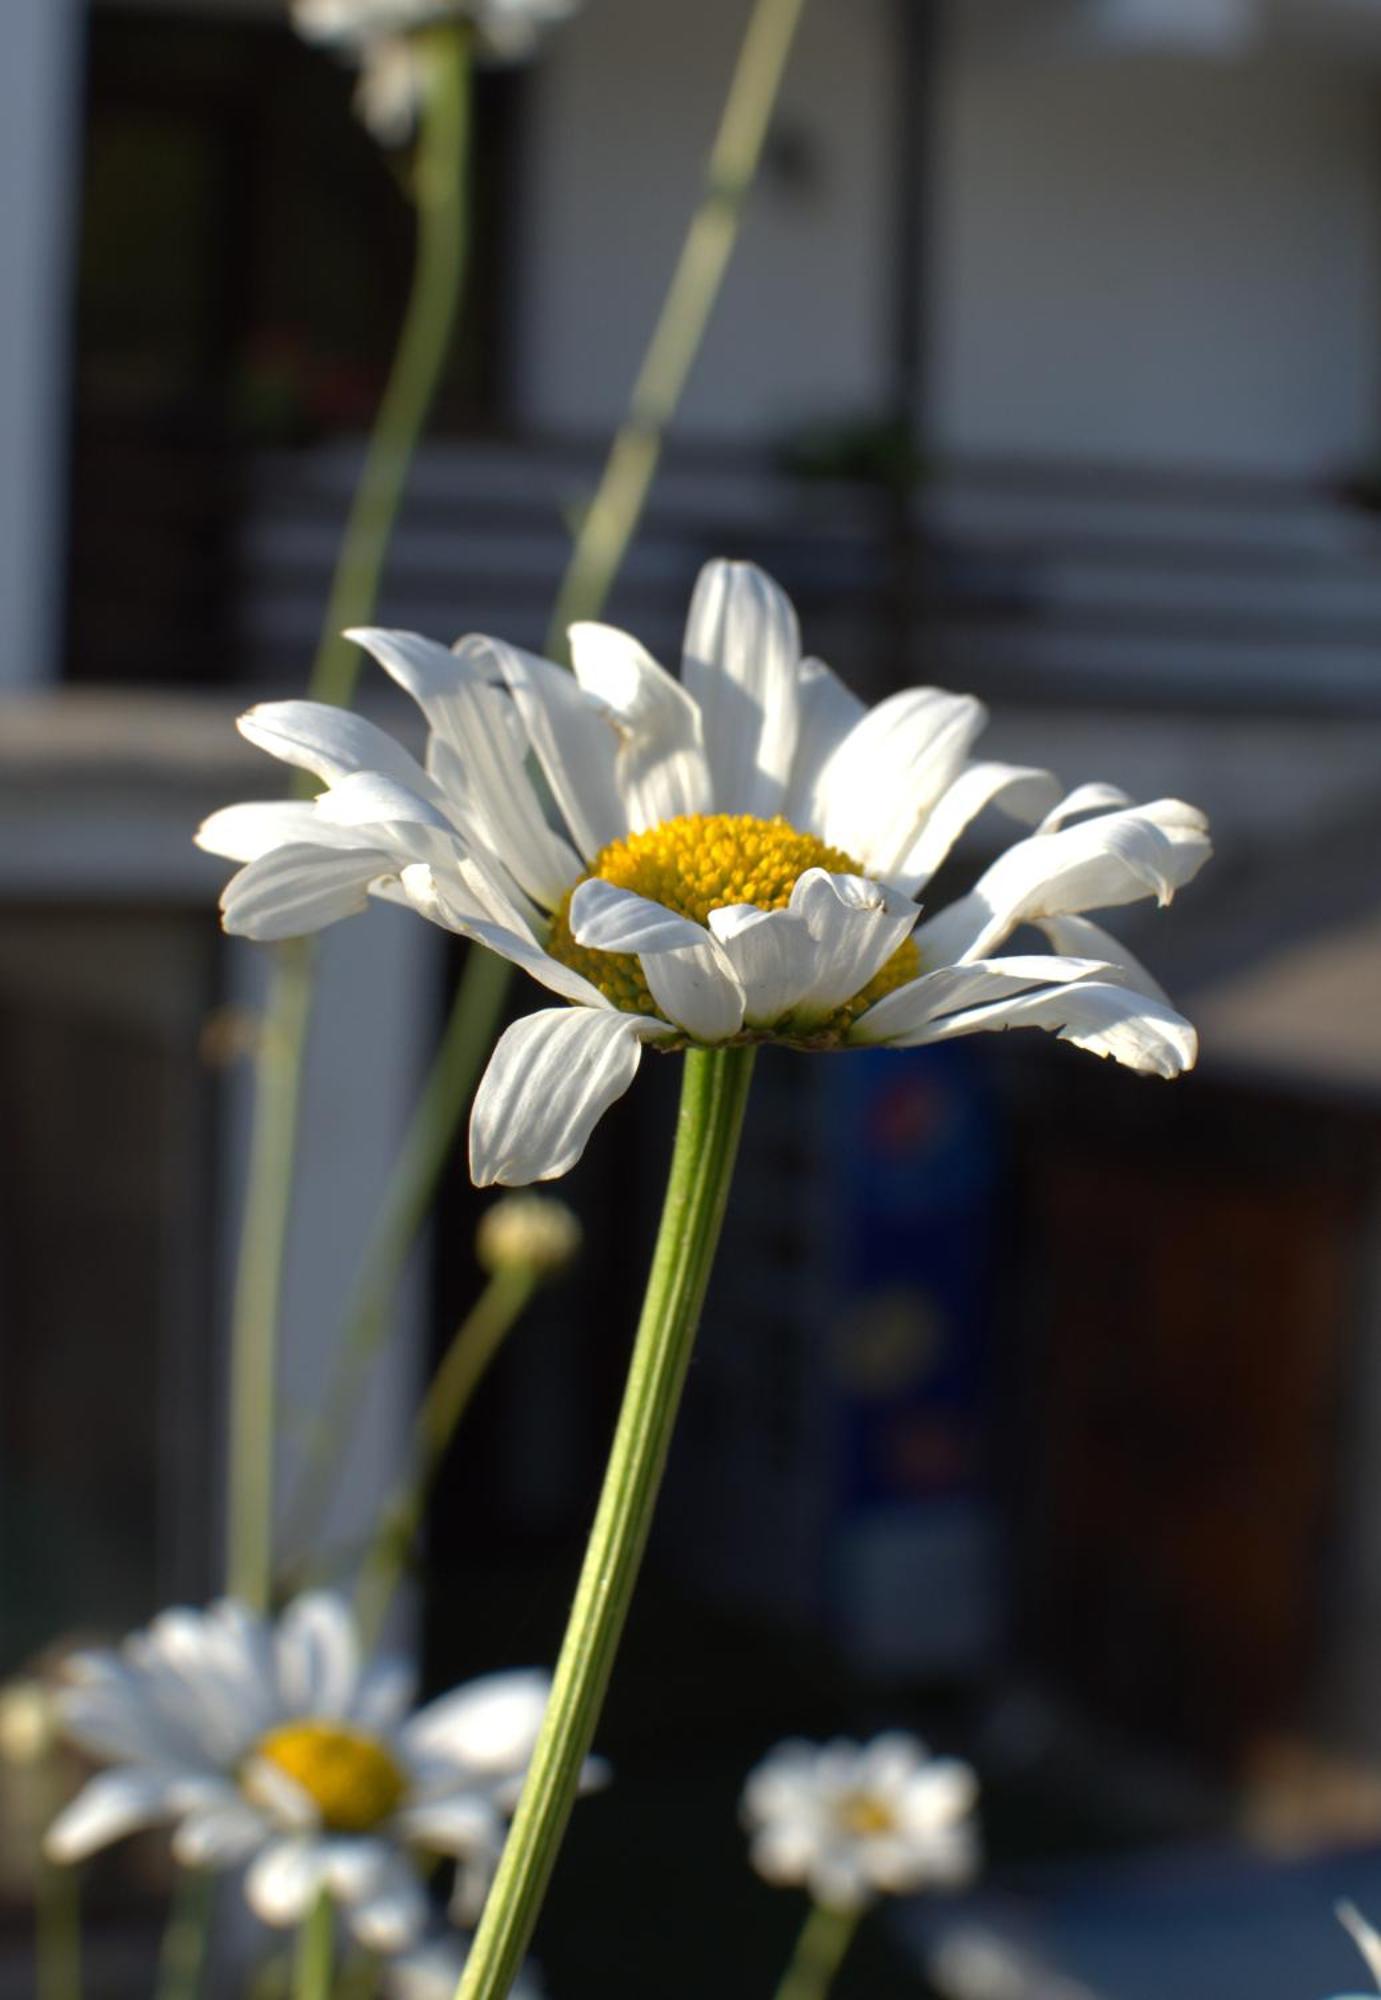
(331, 742)
(827, 711)
(1020, 790)
(938, 1795)
(372, 798)
(385, 1694)
(1363, 1936)
(689, 976)
(905, 1015)
(492, 791)
(318, 1655)
(490, 1725)
(876, 792)
(110, 1806)
(393, 1914)
(550, 1080)
(1132, 1028)
(1119, 857)
(1076, 937)
(244, 832)
(695, 986)
(296, 890)
(466, 1824)
(575, 741)
(740, 661)
(1094, 797)
(612, 919)
(283, 1883)
(839, 1878)
(219, 1836)
(772, 954)
(855, 926)
(785, 1851)
(519, 948)
(660, 768)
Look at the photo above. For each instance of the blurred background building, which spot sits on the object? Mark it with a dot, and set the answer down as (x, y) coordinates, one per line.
(1037, 1405)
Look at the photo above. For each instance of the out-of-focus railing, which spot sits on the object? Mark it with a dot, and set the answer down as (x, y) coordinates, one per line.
(1032, 580)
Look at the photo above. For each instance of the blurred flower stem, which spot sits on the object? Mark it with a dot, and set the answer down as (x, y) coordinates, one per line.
(825, 1937)
(440, 191)
(714, 1092)
(58, 1933)
(601, 544)
(314, 1958)
(407, 1199)
(473, 1346)
(182, 1960)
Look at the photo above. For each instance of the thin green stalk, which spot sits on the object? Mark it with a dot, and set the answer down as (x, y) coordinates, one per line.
(714, 1091)
(825, 1937)
(58, 1932)
(314, 1958)
(607, 529)
(442, 211)
(473, 1346)
(407, 1199)
(186, 1935)
(614, 513)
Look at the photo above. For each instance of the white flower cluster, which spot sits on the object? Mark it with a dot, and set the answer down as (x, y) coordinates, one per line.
(277, 1749)
(854, 1821)
(380, 36)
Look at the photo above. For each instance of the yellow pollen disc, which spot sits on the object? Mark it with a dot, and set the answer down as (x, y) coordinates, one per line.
(862, 1814)
(350, 1777)
(702, 862)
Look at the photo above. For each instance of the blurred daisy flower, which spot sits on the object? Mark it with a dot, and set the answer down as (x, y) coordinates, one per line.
(737, 859)
(850, 1822)
(275, 1745)
(531, 1233)
(1366, 1940)
(380, 35)
(432, 1971)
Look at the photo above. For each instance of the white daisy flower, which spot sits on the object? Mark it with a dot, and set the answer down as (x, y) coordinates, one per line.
(379, 35)
(432, 1971)
(736, 858)
(1366, 1941)
(276, 1746)
(850, 1821)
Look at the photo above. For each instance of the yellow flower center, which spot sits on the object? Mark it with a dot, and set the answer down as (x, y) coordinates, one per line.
(862, 1814)
(350, 1777)
(702, 862)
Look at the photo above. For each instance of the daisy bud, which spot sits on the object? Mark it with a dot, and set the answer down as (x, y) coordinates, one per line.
(28, 1723)
(528, 1232)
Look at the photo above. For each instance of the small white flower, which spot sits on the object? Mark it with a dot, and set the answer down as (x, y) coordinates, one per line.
(1366, 1941)
(432, 1972)
(276, 1746)
(849, 1821)
(737, 858)
(379, 36)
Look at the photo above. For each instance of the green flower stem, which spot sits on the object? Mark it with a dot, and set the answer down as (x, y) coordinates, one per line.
(473, 1346)
(58, 1932)
(182, 1960)
(825, 1937)
(407, 1199)
(714, 1091)
(440, 191)
(315, 1956)
(608, 527)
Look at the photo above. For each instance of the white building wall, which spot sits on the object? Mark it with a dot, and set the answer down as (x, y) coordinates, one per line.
(627, 104)
(1141, 257)
(1160, 259)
